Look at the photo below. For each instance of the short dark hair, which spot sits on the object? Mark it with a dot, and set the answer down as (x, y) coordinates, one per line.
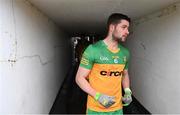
(115, 18)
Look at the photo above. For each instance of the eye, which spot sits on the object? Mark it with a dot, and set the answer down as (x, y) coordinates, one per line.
(124, 27)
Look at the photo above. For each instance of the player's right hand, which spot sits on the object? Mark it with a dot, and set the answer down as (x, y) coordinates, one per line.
(105, 100)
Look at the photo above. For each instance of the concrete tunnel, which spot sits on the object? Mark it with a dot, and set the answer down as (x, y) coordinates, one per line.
(37, 51)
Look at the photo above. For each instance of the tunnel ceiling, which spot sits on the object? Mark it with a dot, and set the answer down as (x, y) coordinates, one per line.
(89, 16)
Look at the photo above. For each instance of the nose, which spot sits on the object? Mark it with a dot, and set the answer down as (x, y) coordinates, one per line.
(127, 31)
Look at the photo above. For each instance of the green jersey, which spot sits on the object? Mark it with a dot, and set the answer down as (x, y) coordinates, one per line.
(107, 68)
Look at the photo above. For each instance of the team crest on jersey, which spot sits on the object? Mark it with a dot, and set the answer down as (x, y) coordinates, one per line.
(116, 59)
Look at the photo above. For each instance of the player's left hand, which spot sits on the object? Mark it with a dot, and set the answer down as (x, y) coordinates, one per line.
(127, 98)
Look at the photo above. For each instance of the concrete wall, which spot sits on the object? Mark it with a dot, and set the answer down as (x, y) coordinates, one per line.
(155, 60)
(34, 58)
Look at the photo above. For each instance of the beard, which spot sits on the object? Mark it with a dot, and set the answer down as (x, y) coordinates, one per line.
(118, 38)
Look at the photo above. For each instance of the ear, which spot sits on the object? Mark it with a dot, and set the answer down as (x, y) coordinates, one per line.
(111, 28)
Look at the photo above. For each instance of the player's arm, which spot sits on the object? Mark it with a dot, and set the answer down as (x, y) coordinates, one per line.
(127, 98)
(125, 79)
(82, 82)
(84, 69)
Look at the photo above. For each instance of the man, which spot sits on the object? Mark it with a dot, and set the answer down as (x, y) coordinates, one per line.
(103, 70)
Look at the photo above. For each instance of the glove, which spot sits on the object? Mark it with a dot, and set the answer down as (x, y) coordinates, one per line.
(105, 100)
(127, 98)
